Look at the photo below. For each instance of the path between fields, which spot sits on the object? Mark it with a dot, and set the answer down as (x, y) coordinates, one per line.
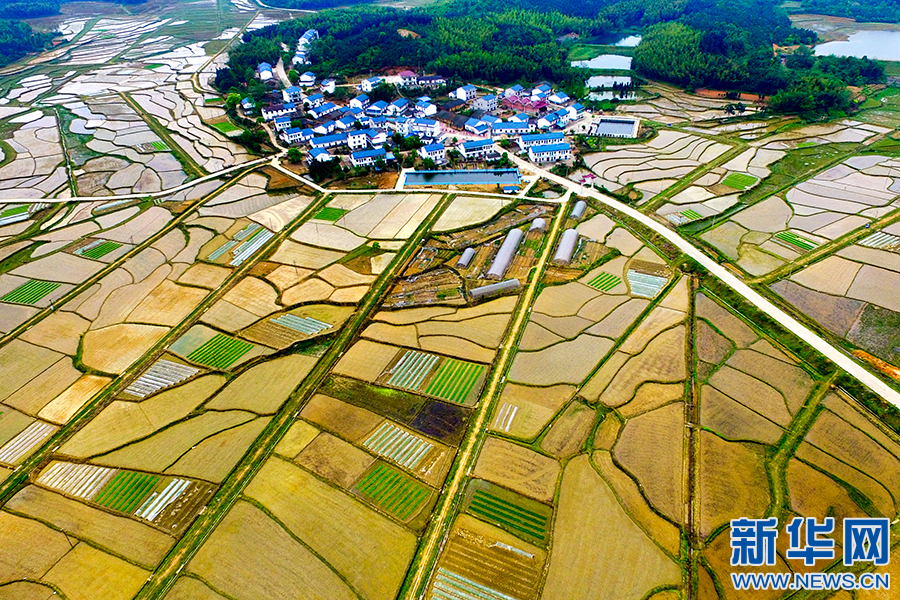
(871, 381)
(471, 445)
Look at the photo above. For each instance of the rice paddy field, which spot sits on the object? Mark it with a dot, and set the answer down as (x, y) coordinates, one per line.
(312, 392)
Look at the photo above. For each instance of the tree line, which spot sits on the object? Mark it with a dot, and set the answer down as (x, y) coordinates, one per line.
(18, 39)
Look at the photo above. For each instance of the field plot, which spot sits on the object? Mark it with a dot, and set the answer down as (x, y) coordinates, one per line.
(848, 293)
(448, 379)
(37, 170)
(653, 166)
(382, 217)
(481, 561)
(466, 211)
(719, 189)
(675, 105)
(831, 204)
(818, 134)
(115, 151)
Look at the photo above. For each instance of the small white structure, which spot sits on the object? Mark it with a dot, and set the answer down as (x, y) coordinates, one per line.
(435, 152)
(505, 254)
(550, 153)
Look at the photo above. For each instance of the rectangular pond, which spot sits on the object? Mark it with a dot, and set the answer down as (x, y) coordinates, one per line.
(464, 177)
(623, 127)
(605, 61)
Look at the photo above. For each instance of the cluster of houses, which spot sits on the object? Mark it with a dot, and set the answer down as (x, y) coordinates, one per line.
(301, 54)
(363, 126)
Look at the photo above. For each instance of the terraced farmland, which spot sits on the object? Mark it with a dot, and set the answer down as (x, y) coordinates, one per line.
(793, 239)
(740, 181)
(29, 292)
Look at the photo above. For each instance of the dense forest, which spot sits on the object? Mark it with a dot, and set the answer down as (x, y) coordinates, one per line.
(18, 9)
(498, 45)
(721, 44)
(873, 11)
(18, 39)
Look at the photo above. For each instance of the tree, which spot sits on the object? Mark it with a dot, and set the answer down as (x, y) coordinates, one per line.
(294, 155)
(232, 100)
(428, 164)
(293, 76)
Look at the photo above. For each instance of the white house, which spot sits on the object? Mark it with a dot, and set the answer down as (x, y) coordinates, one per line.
(364, 158)
(435, 152)
(424, 128)
(307, 79)
(282, 123)
(264, 71)
(550, 153)
(559, 97)
(576, 111)
(328, 86)
(425, 109)
(292, 94)
(364, 138)
(464, 93)
(318, 155)
(526, 142)
(346, 122)
(510, 129)
(317, 112)
(370, 84)
(377, 109)
(292, 135)
(278, 110)
(549, 120)
(514, 90)
(329, 141)
(408, 79)
(315, 100)
(325, 128)
(431, 81)
(485, 103)
(476, 148)
(361, 102)
(397, 107)
(477, 127)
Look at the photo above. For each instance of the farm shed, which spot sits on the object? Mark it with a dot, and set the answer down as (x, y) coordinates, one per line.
(466, 258)
(493, 289)
(566, 247)
(505, 254)
(579, 209)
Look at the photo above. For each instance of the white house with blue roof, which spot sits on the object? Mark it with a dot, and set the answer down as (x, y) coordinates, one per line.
(550, 153)
(365, 158)
(362, 101)
(370, 84)
(476, 148)
(282, 123)
(513, 90)
(317, 112)
(264, 71)
(307, 79)
(319, 155)
(397, 107)
(486, 103)
(511, 129)
(435, 152)
(464, 93)
(329, 141)
(315, 100)
(364, 138)
(292, 135)
(540, 139)
(377, 109)
(292, 94)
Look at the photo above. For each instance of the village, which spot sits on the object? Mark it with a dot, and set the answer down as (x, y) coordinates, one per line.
(442, 124)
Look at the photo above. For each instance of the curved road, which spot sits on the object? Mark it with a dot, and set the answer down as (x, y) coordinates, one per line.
(865, 377)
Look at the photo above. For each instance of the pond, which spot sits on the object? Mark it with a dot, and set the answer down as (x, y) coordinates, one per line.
(610, 94)
(605, 61)
(881, 45)
(606, 81)
(629, 42)
(464, 177)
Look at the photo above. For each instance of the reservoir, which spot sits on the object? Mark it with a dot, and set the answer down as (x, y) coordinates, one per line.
(464, 177)
(881, 45)
(605, 61)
